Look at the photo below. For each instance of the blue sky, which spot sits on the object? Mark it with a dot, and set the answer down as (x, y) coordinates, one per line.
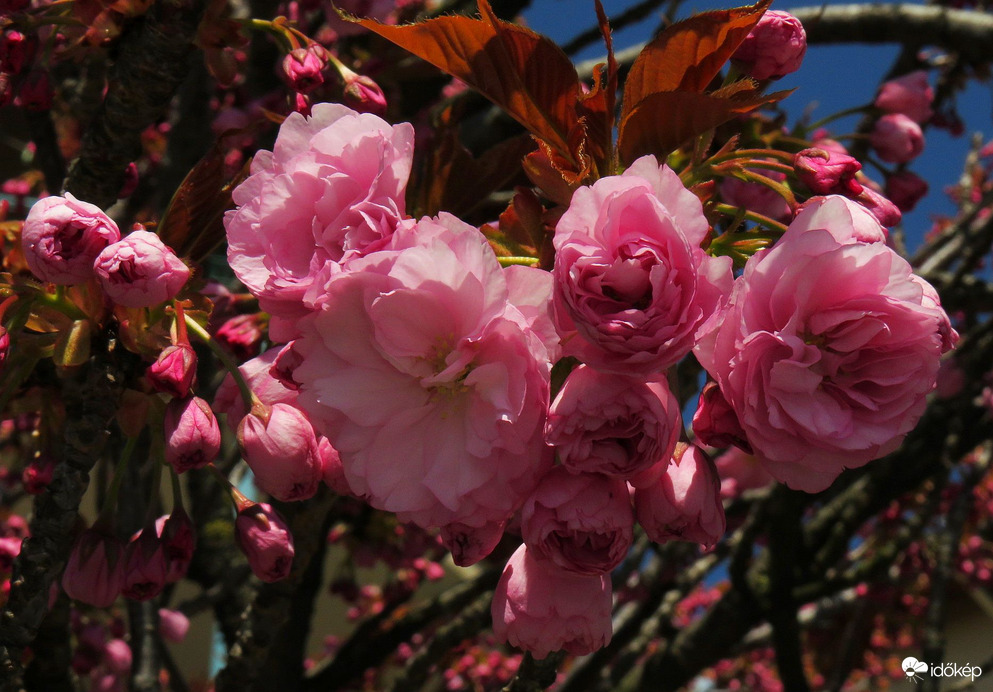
(832, 78)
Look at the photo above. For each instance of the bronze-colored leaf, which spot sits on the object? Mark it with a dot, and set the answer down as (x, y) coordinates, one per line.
(73, 345)
(664, 121)
(689, 54)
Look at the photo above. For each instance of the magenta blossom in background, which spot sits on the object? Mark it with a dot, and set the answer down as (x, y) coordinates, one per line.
(740, 471)
(910, 95)
(332, 189)
(905, 189)
(95, 572)
(611, 424)
(826, 349)
(896, 138)
(140, 271)
(581, 522)
(62, 236)
(437, 369)
(685, 503)
(541, 608)
(774, 48)
(631, 282)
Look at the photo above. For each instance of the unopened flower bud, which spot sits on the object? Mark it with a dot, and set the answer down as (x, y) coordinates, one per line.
(193, 438)
(174, 371)
(827, 173)
(17, 51)
(282, 368)
(95, 572)
(62, 237)
(130, 181)
(242, 335)
(282, 451)
(910, 94)
(905, 189)
(304, 67)
(178, 535)
(140, 271)
(774, 48)
(146, 566)
(266, 541)
(884, 210)
(173, 625)
(117, 656)
(896, 138)
(362, 93)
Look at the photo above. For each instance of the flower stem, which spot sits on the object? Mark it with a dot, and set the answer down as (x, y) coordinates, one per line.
(226, 360)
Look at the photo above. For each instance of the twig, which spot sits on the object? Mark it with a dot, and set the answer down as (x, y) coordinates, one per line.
(535, 675)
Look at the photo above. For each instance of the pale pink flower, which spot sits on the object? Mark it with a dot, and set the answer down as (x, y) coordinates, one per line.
(117, 656)
(910, 95)
(845, 220)
(541, 608)
(685, 503)
(774, 48)
(825, 350)
(332, 189)
(581, 522)
(62, 236)
(140, 271)
(631, 282)
(611, 424)
(437, 369)
(279, 445)
(896, 138)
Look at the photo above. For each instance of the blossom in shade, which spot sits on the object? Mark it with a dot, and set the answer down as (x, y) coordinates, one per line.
(905, 189)
(266, 541)
(685, 503)
(774, 48)
(910, 95)
(632, 284)
(38, 474)
(117, 656)
(470, 544)
(95, 571)
(173, 625)
(826, 349)
(896, 138)
(581, 522)
(279, 445)
(612, 424)
(174, 371)
(332, 189)
(542, 608)
(178, 535)
(62, 236)
(437, 368)
(140, 271)
(362, 93)
(192, 436)
(146, 566)
(740, 471)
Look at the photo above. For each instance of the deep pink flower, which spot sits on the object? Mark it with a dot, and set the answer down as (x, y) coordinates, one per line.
(332, 189)
(905, 189)
(910, 95)
(363, 94)
(178, 535)
(173, 625)
(95, 572)
(611, 424)
(266, 541)
(437, 368)
(38, 474)
(304, 68)
(192, 436)
(885, 212)
(174, 371)
(117, 656)
(715, 422)
(827, 173)
(685, 504)
(140, 271)
(242, 335)
(146, 566)
(631, 282)
(896, 138)
(541, 608)
(280, 447)
(581, 522)
(62, 236)
(825, 350)
(10, 548)
(774, 48)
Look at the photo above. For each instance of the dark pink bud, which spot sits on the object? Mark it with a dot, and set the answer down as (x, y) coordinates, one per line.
(12, 6)
(363, 94)
(38, 474)
(117, 656)
(62, 237)
(774, 48)
(905, 189)
(193, 438)
(95, 572)
(130, 181)
(886, 213)
(10, 548)
(140, 271)
(282, 451)
(715, 422)
(896, 138)
(242, 335)
(146, 566)
(14, 526)
(266, 541)
(827, 173)
(304, 67)
(175, 370)
(331, 469)
(173, 625)
(179, 537)
(910, 94)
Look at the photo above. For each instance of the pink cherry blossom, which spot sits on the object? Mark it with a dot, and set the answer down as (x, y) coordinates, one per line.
(910, 95)
(845, 220)
(279, 445)
(825, 350)
(470, 544)
(541, 608)
(259, 377)
(332, 189)
(140, 271)
(740, 471)
(612, 424)
(192, 436)
(437, 369)
(896, 138)
(266, 541)
(95, 572)
(631, 282)
(174, 371)
(774, 48)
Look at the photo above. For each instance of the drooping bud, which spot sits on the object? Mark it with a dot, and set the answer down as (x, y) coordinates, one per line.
(174, 371)
(774, 48)
(242, 335)
(95, 572)
(266, 541)
(896, 138)
(905, 189)
(140, 271)
(827, 173)
(173, 625)
(117, 656)
(178, 535)
(193, 438)
(361, 93)
(146, 566)
(281, 448)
